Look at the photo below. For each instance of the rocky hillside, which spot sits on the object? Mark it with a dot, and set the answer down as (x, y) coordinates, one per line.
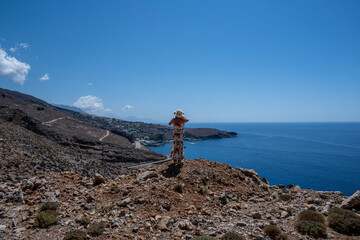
(48, 122)
(147, 133)
(160, 202)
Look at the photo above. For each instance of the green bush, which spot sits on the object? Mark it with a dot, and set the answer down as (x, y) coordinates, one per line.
(310, 215)
(179, 188)
(50, 206)
(232, 236)
(75, 235)
(344, 221)
(311, 228)
(114, 188)
(96, 228)
(203, 238)
(83, 221)
(46, 218)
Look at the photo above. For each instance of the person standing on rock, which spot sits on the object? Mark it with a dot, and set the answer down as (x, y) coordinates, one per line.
(177, 150)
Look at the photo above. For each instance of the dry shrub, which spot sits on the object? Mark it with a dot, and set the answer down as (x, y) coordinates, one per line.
(179, 188)
(285, 197)
(96, 228)
(46, 218)
(311, 228)
(75, 235)
(50, 206)
(310, 215)
(232, 236)
(203, 238)
(83, 221)
(274, 233)
(344, 221)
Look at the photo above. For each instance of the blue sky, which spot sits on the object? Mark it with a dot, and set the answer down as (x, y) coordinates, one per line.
(219, 61)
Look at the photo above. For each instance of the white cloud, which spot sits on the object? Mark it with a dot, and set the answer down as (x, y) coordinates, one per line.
(90, 84)
(45, 77)
(21, 45)
(127, 108)
(12, 68)
(24, 45)
(91, 104)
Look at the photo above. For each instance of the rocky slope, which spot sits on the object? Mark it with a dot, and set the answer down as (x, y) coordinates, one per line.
(160, 202)
(47, 121)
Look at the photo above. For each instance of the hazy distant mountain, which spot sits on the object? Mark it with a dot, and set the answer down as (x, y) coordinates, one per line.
(136, 119)
(131, 118)
(72, 108)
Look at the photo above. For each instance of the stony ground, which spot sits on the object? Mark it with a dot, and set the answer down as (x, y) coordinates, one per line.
(160, 202)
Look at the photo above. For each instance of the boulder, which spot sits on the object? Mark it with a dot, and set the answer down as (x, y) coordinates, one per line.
(185, 225)
(163, 223)
(249, 173)
(224, 199)
(146, 175)
(98, 179)
(352, 202)
(264, 180)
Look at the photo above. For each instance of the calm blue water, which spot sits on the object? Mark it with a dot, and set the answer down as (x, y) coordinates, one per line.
(320, 156)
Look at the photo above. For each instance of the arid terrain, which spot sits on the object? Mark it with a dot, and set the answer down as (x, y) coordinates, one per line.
(63, 172)
(163, 201)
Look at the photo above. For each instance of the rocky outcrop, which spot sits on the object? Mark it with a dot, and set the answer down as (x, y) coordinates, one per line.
(352, 202)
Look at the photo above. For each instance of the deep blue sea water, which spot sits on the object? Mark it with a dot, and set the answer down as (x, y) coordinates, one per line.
(320, 156)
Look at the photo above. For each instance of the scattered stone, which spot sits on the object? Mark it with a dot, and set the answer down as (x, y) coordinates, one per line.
(284, 214)
(125, 202)
(15, 196)
(241, 224)
(256, 215)
(90, 199)
(185, 225)
(3, 228)
(139, 199)
(224, 199)
(19, 230)
(57, 193)
(163, 223)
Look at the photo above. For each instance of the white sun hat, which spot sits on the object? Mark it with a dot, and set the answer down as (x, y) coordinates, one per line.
(179, 113)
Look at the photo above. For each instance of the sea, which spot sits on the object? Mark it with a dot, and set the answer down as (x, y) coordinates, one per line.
(319, 156)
